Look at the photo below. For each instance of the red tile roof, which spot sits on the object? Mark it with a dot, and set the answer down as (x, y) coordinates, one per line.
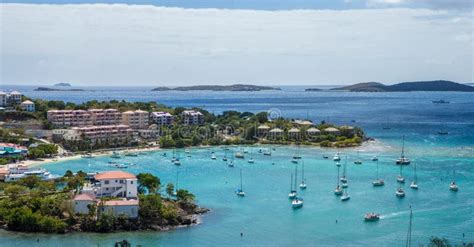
(114, 175)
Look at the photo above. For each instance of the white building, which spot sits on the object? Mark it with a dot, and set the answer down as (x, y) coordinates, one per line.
(82, 202)
(162, 118)
(114, 184)
(10, 99)
(192, 117)
(121, 207)
(28, 106)
(3, 99)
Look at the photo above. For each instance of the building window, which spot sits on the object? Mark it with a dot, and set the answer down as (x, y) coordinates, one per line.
(106, 182)
(131, 182)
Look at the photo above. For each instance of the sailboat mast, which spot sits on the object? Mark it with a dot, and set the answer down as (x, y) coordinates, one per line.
(338, 168)
(403, 147)
(416, 178)
(408, 242)
(241, 188)
(296, 176)
(302, 175)
(378, 169)
(291, 183)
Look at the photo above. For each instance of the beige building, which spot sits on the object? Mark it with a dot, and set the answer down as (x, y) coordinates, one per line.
(105, 116)
(192, 117)
(162, 118)
(294, 134)
(275, 134)
(68, 118)
(136, 119)
(28, 106)
(100, 133)
(262, 130)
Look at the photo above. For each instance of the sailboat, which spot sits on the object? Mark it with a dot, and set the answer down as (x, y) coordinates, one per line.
(239, 154)
(176, 161)
(345, 196)
(400, 178)
(403, 160)
(338, 190)
(414, 184)
(231, 163)
(240, 192)
(292, 193)
(408, 242)
(115, 155)
(225, 155)
(343, 178)
(378, 181)
(303, 180)
(296, 202)
(297, 155)
(337, 157)
(176, 185)
(358, 161)
(267, 152)
(213, 156)
(375, 158)
(400, 193)
(453, 186)
(251, 161)
(174, 155)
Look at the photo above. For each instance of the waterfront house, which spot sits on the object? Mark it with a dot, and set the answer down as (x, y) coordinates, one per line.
(113, 184)
(275, 134)
(82, 203)
(28, 106)
(162, 118)
(347, 131)
(332, 131)
(294, 134)
(312, 133)
(136, 119)
(262, 131)
(192, 117)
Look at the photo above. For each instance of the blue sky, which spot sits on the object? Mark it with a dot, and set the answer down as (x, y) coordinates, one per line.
(266, 42)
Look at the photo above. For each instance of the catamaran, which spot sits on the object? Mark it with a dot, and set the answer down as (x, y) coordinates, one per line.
(343, 178)
(338, 190)
(303, 180)
(414, 184)
(403, 160)
(239, 155)
(267, 152)
(358, 161)
(240, 192)
(400, 178)
(400, 192)
(337, 157)
(378, 181)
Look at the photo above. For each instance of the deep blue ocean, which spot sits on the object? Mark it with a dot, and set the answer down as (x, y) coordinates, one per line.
(264, 215)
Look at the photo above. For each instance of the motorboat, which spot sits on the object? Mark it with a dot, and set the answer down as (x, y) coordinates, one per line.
(371, 217)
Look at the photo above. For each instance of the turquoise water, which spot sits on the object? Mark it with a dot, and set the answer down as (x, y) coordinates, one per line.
(265, 216)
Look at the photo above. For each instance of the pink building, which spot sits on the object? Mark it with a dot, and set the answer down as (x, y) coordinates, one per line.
(101, 133)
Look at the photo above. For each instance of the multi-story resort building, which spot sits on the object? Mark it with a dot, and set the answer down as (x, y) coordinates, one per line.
(10, 99)
(100, 134)
(28, 106)
(162, 118)
(136, 119)
(192, 117)
(69, 118)
(105, 116)
(117, 184)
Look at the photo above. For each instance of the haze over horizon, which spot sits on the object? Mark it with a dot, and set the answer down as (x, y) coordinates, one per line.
(272, 42)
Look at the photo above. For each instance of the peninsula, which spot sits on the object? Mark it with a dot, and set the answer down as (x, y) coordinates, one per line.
(439, 85)
(234, 87)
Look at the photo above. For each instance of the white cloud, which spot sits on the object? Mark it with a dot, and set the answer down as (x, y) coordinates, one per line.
(124, 44)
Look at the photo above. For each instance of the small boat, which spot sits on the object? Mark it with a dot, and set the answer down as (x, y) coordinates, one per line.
(251, 161)
(245, 151)
(375, 158)
(343, 179)
(453, 186)
(371, 217)
(338, 164)
(131, 154)
(403, 160)
(443, 133)
(115, 155)
(177, 162)
(213, 157)
(225, 155)
(294, 161)
(121, 166)
(344, 185)
(187, 151)
(345, 196)
(400, 192)
(297, 155)
(224, 159)
(240, 192)
(440, 101)
(239, 155)
(338, 191)
(303, 180)
(414, 184)
(400, 178)
(358, 161)
(325, 157)
(267, 153)
(175, 192)
(297, 202)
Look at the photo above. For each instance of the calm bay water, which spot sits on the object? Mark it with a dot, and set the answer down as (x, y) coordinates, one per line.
(265, 215)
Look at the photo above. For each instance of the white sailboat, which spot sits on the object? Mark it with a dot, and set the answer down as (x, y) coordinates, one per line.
(251, 161)
(174, 156)
(337, 157)
(240, 192)
(400, 193)
(403, 160)
(375, 158)
(267, 152)
(297, 155)
(115, 155)
(292, 193)
(453, 186)
(176, 184)
(225, 155)
(345, 196)
(239, 154)
(297, 202)
(231, 163)
(303, 180)
(338, 190)
(414, 184)
(358, 161)
(400, 178)
(378, 182)
(344, 178)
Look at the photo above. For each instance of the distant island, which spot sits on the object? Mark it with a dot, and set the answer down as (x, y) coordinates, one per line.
(62, 84)
(235, 87)
(313, 90)
(439, 85)
(56, 89)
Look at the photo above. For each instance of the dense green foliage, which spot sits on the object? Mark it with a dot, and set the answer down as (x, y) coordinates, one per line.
(43, 151)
